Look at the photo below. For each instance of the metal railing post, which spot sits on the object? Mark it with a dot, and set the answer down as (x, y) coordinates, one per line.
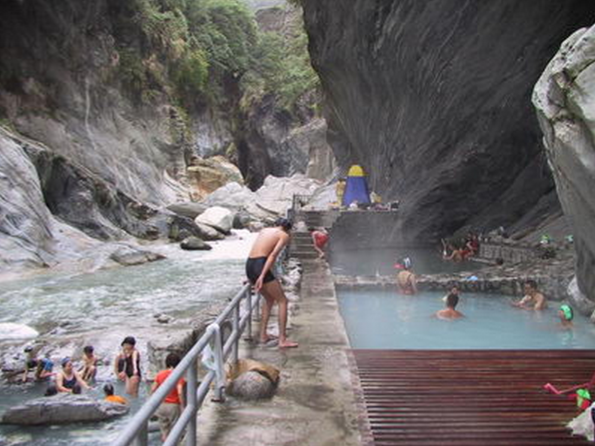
(220, 365)
(191, 387)
(257, 317)
(136, 431)
(142, 438)
(249, 311)
(235, 331)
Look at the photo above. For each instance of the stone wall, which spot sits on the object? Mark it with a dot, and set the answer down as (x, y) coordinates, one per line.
(510, 254)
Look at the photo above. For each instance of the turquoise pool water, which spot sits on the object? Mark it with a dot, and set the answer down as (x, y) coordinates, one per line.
(386, 320)
(366, 262)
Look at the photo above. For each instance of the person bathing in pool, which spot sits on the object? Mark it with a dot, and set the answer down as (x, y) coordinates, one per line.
(267, 247)
(566, 316)
(449, 312)
(533, 299)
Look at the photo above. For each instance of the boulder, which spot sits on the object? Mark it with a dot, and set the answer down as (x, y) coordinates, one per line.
(62, 409)
(217, 217)
(188, 209)
(208, 233)
(232, 196)
(276, 195)
(210, 174)
(565, 104)
(195, 244)
(252, 385)
(242, 220)
(252, 380)
(11, 331)
(129, 256)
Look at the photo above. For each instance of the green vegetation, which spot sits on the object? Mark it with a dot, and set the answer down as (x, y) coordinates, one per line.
(193, 49)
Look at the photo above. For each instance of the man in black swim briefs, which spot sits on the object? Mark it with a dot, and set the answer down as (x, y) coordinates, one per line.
(268, 245)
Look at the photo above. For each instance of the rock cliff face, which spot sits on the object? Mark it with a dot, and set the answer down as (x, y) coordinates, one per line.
(98, 136)
(277, 141)
(433, 99)
(565, 101)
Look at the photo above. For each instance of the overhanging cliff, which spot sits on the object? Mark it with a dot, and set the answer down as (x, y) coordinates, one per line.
(433, 98)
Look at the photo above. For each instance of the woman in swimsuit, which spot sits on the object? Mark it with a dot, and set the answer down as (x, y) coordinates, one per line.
(68, 380)
(127, 366)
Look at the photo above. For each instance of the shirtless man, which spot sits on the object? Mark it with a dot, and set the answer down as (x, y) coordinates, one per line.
(269, 243)
(449, 312)
(406, 280)
(533, 299)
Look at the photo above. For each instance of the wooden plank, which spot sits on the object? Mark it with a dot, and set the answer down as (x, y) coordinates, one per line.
(470, 397)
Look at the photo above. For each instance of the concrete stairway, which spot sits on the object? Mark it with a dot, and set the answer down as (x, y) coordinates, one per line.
(302, 247)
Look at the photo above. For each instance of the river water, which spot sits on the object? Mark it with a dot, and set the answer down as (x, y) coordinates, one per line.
(101, 308)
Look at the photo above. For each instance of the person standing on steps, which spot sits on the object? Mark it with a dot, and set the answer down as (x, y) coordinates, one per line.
(267, 247)
(319, 239)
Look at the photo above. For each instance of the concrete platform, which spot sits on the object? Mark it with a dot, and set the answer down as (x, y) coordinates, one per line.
(315, 403)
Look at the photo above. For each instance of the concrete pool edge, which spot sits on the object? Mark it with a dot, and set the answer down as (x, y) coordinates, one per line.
(317, 401)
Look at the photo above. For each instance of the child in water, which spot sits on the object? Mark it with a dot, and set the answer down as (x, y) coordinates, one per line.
(89, 364)
(108, 389)
(566, 316)
(44, 368)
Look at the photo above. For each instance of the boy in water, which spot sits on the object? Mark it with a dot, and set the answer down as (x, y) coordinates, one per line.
(44, 368)
(108, 389)
(89, 364)
(449, 312)
(566, 316)
(533, 299)
(267, 247)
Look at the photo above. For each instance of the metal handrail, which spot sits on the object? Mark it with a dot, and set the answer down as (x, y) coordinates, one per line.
(136, 431)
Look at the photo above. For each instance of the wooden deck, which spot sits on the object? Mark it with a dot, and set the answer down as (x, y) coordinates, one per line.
(471, 397)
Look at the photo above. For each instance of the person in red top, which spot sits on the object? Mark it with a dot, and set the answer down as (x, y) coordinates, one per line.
(320, 239)
(170, 409)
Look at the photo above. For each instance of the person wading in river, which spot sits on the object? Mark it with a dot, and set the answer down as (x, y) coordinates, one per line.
(127, 366)
(267, 247)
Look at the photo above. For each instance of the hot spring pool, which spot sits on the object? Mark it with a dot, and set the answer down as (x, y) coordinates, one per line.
(387, 320)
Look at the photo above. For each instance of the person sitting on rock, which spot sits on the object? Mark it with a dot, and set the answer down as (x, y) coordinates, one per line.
(127, 366)
(320, 238)
(533, 299)
(172, 406)
(69, 380)
(265, 250)
(44, 367)
(108, 389)
(456, 254)
(449, 312)
(89, 369)
(406, 279)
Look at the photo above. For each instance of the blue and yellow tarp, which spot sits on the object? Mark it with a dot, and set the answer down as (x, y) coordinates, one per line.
(356, 188)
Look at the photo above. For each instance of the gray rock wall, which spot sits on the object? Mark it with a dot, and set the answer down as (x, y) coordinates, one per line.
(433, 99)
(565, 101)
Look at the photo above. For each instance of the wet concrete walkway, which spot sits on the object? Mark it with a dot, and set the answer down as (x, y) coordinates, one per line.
(315, 402)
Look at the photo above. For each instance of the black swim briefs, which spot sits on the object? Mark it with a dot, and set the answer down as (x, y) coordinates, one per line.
(254, 270)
